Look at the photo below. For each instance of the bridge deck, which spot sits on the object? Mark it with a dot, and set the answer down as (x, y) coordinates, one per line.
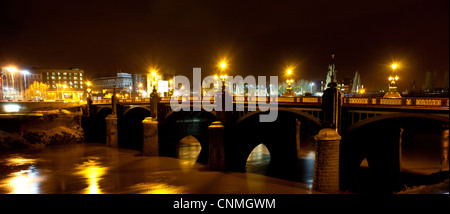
(415, 103)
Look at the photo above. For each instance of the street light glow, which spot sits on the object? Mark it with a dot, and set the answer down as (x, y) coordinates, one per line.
(223, 65)
(394, 66)
(289, 71)
(11, 69)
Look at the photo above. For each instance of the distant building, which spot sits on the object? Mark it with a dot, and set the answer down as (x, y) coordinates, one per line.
(104, 87)
(64, 84)
(162, 82)
(131, 85)
(32, 77)
(346, 85)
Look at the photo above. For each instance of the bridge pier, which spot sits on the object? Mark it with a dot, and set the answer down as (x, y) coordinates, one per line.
(150, 141)
(297, 137)
(112, 139)
(216, 159)
(326, 166)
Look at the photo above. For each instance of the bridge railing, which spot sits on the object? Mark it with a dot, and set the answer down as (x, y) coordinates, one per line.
(348, 101)
(405, 101)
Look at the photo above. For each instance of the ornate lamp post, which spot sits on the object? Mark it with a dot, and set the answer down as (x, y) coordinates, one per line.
(88, 88)
(393, 92)
(289, 92)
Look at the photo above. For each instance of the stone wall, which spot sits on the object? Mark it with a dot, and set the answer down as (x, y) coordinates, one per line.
(38, 132)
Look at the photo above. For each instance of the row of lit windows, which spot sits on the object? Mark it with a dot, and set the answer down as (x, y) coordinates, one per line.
(64, 74)
(59, 78)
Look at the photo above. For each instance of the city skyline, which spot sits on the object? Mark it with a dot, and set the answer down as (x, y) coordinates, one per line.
(257, 37)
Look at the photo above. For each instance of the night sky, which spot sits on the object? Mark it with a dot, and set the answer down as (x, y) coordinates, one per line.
(257, 37)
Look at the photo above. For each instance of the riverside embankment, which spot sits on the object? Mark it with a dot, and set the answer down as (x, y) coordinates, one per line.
(37, 130)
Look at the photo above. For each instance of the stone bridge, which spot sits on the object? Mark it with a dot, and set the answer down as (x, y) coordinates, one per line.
(369, 128)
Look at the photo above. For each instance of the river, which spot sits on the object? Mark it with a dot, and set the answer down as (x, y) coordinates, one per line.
(94, 168)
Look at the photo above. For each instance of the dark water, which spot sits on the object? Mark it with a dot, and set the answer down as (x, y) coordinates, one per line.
(94, 168)
(424, 152)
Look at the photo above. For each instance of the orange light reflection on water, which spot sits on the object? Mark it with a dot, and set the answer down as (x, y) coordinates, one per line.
(93, 172)
(23, 181)
(158, 188)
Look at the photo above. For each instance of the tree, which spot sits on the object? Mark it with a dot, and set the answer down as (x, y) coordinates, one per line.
(37, 90)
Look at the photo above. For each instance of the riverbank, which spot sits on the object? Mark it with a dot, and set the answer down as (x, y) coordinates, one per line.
(437, 188)
(35, 131)
(39, 138)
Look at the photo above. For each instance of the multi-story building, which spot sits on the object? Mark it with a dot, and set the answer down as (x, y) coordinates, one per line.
(103, 87)
(131, 85)
(64, 84)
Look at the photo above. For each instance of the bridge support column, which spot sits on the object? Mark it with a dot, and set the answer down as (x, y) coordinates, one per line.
(216, 159)
(326, 167)
(151, 141)
(297, 137)
(112, 139)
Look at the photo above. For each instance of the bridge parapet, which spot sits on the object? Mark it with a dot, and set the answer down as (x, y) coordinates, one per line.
(402, 102)
(348, 101)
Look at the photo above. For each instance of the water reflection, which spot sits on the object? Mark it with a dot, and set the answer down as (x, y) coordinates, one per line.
(26, 181)
(157, 188)
(444, 159)
(301, 170)
(16, 160)
(188, 149)
(93, 172)
(258, 160)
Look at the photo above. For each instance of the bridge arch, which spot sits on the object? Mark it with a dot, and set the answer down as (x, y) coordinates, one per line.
(130, 128)
(283, 109)
(440, 118)
(96, 130)
(380, 140)
(103, 110)
(178, 125)
(135, 108)
(172, 113)
(278, 136)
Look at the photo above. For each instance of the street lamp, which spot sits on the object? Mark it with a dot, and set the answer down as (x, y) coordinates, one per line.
(394, 66)
(88, 84)
(289, 92)
(311, 84)
(393, 78)
(154, 80)
(130, 90)
(140, 89)
(393, 93)
(222, 75)
(24, 72)
(223, 65)
(12, 70)
(64, 87)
